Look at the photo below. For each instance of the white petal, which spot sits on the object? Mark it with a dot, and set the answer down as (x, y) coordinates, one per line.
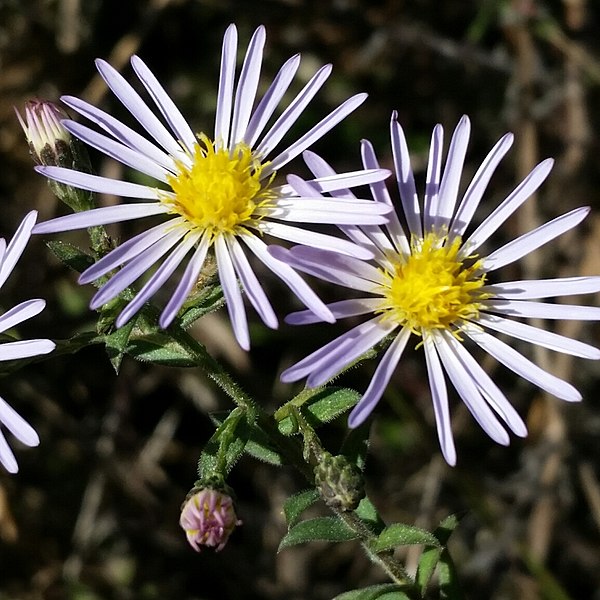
(247, 86)
(543, 288)
(231, 291)
(251, 285)
(100, 216)
(432, 179)
(439, 396)
(340, 310)
(543, 310)
(525, 189)
(405, 178)
(21, 312)
(522, 366)
(7, 458)
(532, 240)
(17, 245)
(103, 185)
(467, 390)
(455, 161)
(478, 185)
(225, 93)
(17, 425)
(539, 337)
(381, 377)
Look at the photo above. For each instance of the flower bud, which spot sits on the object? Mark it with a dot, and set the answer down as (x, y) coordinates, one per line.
(340, 483)
(208, 518)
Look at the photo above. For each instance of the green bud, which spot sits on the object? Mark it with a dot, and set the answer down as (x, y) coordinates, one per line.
(340, 483)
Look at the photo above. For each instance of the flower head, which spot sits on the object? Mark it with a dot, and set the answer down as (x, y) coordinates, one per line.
(429, 280)
(208, 519)
(217, 192)
(9, 418)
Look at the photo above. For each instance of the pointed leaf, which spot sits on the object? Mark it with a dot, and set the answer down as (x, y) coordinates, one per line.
(384, 591)
(399, 534)
(116, 344)
(71, 255)
(330, 529)
(208, 301)
(368, 513)
(449, 586)
(295, 505)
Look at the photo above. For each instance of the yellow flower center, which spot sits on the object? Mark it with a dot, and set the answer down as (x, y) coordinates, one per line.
(432, 288)
(221, 191)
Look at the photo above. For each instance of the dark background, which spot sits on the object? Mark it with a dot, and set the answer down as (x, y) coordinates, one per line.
(93, 513)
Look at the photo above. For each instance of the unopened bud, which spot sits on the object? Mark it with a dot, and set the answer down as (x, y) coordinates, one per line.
(208, 518)
(340, 483)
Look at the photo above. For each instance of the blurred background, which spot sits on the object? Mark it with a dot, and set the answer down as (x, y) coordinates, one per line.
(93, 513)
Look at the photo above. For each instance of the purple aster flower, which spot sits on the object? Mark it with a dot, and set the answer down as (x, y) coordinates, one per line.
(216, 192)
(9, 418)
(429, 280)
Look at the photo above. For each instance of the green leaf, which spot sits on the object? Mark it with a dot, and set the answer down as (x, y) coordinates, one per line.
(210, 299)
(368, 513)
(116, 343)
(449, 586)
(160, 348)
(385, 591)
(322, 407)
(330, 529)
(295, 505)
(71, 255)
(399, 534)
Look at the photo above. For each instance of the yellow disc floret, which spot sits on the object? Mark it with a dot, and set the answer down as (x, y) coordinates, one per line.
(221, 190)
(432, 288)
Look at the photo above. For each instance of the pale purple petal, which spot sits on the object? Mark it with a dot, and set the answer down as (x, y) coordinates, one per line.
(251, 285)
(478, 185)
(157, 280)
(188, 280)
(405, 178)
(468, 391)
(266, 107)
(121, 132)
(543, 310)
(134, 269)
(340, 310)
(294, 109)
(17, 425)
(21, 313)
(532, 240)
(247, 86)
(539, 337)
(231, 291)
(7, 458)
(17, 245)
(128, 250)
(225, 93)
(167, 107)
(103, 185)
(381, 377)
(321, 169)
(439, 396)
(101, 216)
(432, 179)
(522, 366)
(316, 133)
(116, 150)
(300, 288)
(455, 161)
(138, 108)
(25, 349)
(499, 216)
(543, 288)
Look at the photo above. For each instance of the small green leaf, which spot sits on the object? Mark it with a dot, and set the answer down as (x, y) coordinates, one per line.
(295, 505)
(116, 344)
(160, 348)
(399, 534)
(330, 529)
(71, 255)
(323, 407)
(385, 591)
(208, 301)
(449, 586)
(368, 513)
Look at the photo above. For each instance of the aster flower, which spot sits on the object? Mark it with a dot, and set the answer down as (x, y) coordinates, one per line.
(428, 280)
(220, 190)
(9, 418)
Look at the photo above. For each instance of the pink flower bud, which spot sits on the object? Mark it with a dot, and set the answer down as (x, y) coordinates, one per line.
(208, 518)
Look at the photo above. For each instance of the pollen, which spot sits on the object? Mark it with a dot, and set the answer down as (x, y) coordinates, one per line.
(221, 190)
(433, 288)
